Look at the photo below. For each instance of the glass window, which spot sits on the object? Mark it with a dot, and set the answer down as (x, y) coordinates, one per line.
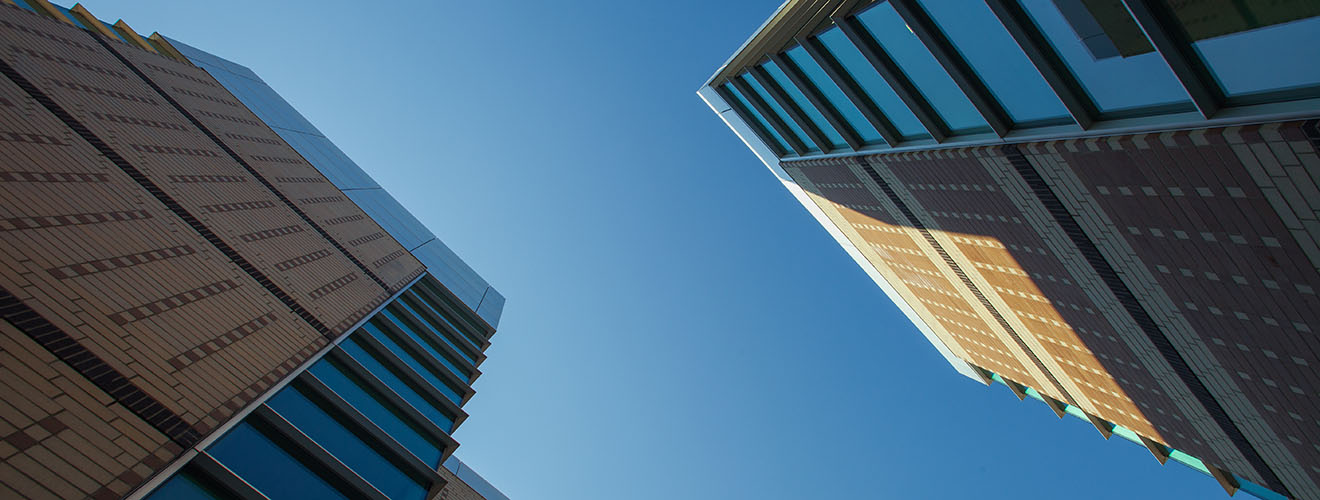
(185, 486)
(993, 54)
(435, 308)
(834, 95)
(779, 110)
(268, 467)
(390, 378)
(388, 341)
(930, 79)
(872, 83)
(427, 343)
(760, 120)
(355, 392)
(1256, 46)
(800, 99)
(1115, 82)
(345, 445)
(439, 332)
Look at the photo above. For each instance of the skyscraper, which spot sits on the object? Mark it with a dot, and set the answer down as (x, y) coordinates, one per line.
(202, 297)
(1110, 207)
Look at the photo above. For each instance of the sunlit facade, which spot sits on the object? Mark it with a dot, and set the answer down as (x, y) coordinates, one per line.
(202, 297)
(1110, 207)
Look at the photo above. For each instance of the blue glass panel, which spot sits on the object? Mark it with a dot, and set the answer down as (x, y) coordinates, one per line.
(392, 379)
(69, 14)
(1188, 460)
(872, 83)
(345, 445)
(800, 99)
(779, 110)
(428, 344)
(760, 120)
(24, 4)
(356, 394)
(988, 48)
(439, 332)
(268, 467)
(435, 309)
(1279, 57)
(184, 486)
(915, 61)
(1255, 489)
(834, 95)
(388, 341)
(1114, 83)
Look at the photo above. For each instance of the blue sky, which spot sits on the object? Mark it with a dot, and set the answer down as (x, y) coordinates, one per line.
(677, 326)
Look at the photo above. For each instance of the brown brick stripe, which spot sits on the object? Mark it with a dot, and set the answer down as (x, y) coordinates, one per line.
(39, 221)
(160, 195)
(238, 206)
(366, 239)
(190, 179)
(302, 259)
(25, 176)
(96, 370)
(110, 117)
(1109, 275)
(21, 440)
(31, 138)
(270, 233)
(99, 265)
(346, 218)
(211, 346)
(175, 301)
(338, 283)
(388, 258)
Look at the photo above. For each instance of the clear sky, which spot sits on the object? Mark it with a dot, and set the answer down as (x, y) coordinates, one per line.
(677, 326)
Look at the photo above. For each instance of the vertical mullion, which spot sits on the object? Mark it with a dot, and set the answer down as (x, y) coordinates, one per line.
(953, 63)
(894, 76)
(794, 112)
(1172, 45)
(751, 122)
(1046, 61)
(816, 99)
(850, 89)
(770, 116)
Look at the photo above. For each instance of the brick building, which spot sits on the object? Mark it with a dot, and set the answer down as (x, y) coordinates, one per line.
(201, 296)
(1101, 205)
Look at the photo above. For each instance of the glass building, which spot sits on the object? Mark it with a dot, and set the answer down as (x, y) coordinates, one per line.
(1107, 206)
(203, 296)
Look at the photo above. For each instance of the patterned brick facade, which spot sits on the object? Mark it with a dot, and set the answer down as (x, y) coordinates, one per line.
(167, 259)
(1163, 282)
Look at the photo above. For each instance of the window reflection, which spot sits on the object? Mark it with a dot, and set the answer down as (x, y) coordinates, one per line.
(993, 54)
(800, 99)
(1255, 47)
(834, 95)
(912, 58)
(270, 468)
(872, 83)
(756, 116)
(779, 110)
(356, 394)
(1116, 66)
(395, 382)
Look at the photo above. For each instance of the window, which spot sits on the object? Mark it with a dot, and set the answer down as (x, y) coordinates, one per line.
(346, 445)
(270, 468)
(779, 110)
(395, 382)
(1256, 47)
(186, 486)
(388, 341)
(435, 308)
(800, 99)
(439, 332)
(872, 83)
(1116, 68)
(759, 120)
(356, 393)
(930, 79)
(834, 94)
(428, 343)
(992, 53)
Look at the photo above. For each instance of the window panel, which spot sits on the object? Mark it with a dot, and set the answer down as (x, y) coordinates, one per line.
(439, 332)
(427, 343)
(435, 308)
(356, 393)
(760, 120)
(388, 341)
(1114, 71)
(390, 378)
(1259, 47)
(269, 467)
(993, 54)
(185, 486)
(779, 110)
(872, 83)
(347, 446)
(800, 99)
(930, 79)
(834, 95)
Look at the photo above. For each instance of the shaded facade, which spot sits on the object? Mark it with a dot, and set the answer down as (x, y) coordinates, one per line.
(1101, 205)
(196, 303)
